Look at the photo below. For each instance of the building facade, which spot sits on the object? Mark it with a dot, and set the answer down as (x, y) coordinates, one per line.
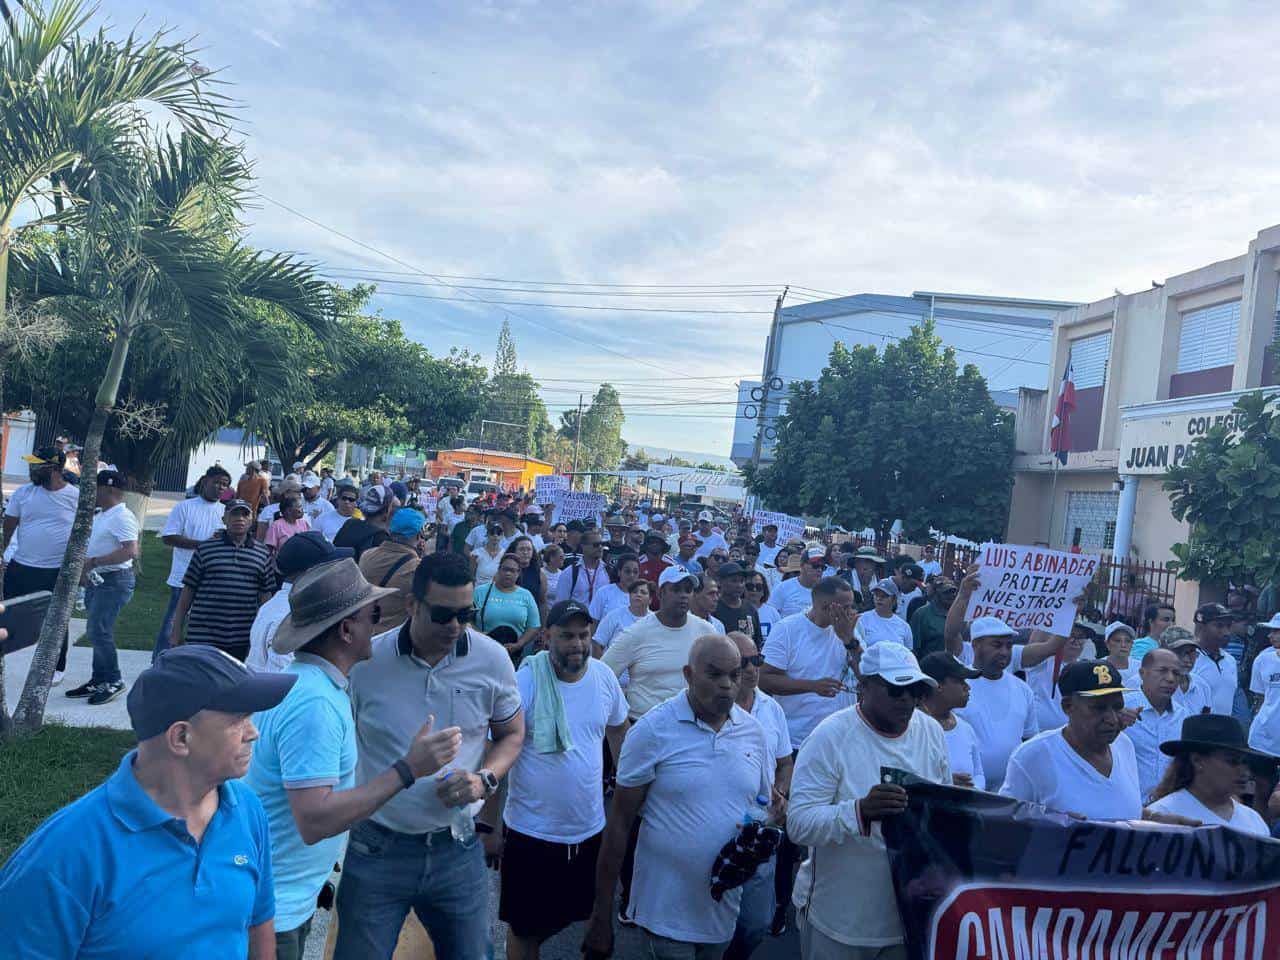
(1152, 371)
(510, 471)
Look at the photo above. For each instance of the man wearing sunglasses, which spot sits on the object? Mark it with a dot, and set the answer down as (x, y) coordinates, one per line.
(587, 576)
(795, 595)
(344, 508)
(405, 855)
(304, 763)
(836, 797)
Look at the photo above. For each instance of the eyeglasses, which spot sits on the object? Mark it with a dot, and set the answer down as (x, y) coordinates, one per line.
(753, 661)
(757, 587)
(443, 615)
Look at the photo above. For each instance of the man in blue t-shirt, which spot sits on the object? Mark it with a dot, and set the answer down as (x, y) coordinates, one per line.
(170, 857)
(304, 766)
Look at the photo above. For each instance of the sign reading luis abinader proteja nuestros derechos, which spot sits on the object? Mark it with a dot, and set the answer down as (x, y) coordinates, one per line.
(981, 877)
(1030, 588)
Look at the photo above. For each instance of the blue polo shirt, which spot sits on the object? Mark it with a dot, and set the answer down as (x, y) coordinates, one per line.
(112, 876)
(307, 740)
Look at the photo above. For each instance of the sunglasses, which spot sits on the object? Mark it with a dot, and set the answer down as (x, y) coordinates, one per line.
(911, 690)
(755, 660)
(817, 565)
(443, 615)
(348, 499)
(757, 587)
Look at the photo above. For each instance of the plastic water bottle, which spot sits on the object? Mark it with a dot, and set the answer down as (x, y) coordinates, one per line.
(462, 826)
(759, 813)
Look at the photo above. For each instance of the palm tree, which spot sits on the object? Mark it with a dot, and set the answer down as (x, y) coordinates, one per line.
(67, 103)
(153, 251)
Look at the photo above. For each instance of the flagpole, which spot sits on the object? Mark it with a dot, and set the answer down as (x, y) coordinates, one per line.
(1053, 500)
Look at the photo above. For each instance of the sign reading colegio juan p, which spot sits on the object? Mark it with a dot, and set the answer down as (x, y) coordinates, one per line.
(980, 877)
(1030, 588)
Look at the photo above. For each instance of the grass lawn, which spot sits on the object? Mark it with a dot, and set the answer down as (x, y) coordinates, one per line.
(140, 621)
(41, 773)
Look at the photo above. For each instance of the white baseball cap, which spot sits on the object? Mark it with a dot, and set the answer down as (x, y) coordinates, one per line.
(1272, 624)
(1117, 627)
(990, 627)
(706, 515)
(894, 664)
(674, 575)
(297, 464)
(815, 553)
(310, 481)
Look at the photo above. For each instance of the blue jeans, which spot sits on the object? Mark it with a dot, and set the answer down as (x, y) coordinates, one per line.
(387, 873)
(755, 913)
(102, 606)
(166, 625)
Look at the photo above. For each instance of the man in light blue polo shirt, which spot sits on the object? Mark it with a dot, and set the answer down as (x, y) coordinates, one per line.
(170, 858)
(304, 766)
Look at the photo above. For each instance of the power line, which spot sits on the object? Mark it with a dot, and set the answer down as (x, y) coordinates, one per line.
(770, 287)
(575, 306)
(718, 294)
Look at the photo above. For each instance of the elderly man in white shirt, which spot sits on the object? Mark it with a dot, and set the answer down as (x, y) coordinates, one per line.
(1155, 716)
(844, 899)
(299, 553)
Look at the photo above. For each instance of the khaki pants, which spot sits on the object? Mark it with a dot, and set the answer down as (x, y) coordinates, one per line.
(816, 945)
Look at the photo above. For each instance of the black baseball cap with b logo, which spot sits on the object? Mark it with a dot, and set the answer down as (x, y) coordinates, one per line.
(1091, 678)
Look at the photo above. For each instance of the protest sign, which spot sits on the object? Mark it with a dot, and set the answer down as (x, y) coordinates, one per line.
(789, 527)
(547, 489)
(428, 506)
(576, 505)
(979, 877)
(1030, 588)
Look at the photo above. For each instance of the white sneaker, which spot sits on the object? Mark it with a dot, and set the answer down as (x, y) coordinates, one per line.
(57, 677)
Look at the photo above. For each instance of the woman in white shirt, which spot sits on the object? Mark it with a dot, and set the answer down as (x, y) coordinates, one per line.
(619, 618)
(1210, 770)
(1119, 637)
(614, 595)
(952, 693)
(552, 566)
(484, 562)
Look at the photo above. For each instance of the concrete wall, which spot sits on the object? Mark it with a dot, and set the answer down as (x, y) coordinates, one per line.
(231, 456)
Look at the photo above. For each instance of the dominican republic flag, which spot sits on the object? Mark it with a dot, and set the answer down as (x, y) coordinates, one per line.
(1060, 435)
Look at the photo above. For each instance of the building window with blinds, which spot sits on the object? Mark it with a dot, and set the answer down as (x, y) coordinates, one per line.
(1089, 370)
(1206, 350)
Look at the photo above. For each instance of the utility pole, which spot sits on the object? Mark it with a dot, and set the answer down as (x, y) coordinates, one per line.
(767, 378)
(577, 438)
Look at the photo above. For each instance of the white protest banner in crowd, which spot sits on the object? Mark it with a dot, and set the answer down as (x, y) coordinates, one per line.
(580, 506)
(789, 527)
(1030, 588)
(550, 488)
(428, 506)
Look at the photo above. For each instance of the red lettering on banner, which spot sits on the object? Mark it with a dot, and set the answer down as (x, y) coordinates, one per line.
(989, 922)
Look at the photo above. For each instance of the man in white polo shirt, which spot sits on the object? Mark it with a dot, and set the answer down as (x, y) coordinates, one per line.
(844, 899)
(1087, 768)
(695, 764)
(1215, 666)
(1157, 718)
(806, 655)
(795, 595)
(1001, 709)
(881, 623)
(655, 649)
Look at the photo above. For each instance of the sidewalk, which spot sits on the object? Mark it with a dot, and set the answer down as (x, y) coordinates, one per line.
(76, 713)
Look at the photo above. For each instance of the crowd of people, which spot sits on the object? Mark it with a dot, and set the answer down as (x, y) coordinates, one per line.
(422, 690)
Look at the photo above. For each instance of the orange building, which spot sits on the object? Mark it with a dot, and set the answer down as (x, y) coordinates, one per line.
(510, 471)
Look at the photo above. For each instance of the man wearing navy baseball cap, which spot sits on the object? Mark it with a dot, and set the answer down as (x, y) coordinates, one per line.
(171, 855)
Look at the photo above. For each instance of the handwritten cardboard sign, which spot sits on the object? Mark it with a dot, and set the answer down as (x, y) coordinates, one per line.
(576, 505)
(789, 527)
(548, 489)
(1030, 588)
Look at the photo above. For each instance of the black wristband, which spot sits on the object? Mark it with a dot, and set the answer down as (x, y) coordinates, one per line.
(406, 775)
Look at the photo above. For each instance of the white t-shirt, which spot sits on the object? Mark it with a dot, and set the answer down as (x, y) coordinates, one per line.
(476, 538)
(313, 510)
(112, 529)
(1048, 771)
(708, 543)
(607, 598)
(701, 782)
(770, 715)
(804, 651)
(270, 615)
(963, 753)
(1222, 677)
(655, 656)
(1195, 698)
(845, 882)
(1185, 804)
(44, 521)
(768, 554)
(329, 523)
(931, 568)
(196, 519)
(791, 596)
(904, 601)
(15, 501)
(872, 628)
(716, 625)
(269, 513)
(1049, 714)
(1002, 713)
(614, 622)
(556, 796)
(1264, 735)
(768, 615)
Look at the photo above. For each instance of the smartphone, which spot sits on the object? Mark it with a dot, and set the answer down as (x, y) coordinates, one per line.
(894, 775)
(23, 617)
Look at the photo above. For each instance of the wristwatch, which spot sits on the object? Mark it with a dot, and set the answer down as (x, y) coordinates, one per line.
(490, 782)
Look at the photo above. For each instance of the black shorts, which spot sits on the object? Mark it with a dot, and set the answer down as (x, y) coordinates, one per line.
(546, 886)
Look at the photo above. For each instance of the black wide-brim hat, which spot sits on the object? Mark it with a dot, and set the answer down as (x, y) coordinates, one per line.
(1213, 731)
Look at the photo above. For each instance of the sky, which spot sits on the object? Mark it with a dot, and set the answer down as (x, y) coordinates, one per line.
(714, 152)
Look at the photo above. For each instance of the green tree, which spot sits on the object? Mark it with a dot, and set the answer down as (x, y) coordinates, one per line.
(601, 445)
(1227, 490)
(153, 250)
(517, 417)
(901, 435)
(639, 460)
(504, 356)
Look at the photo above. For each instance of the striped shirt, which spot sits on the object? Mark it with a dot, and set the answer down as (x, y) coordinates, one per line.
(227, 581)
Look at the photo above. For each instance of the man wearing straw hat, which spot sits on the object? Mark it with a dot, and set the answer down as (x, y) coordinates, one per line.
(303, 768)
